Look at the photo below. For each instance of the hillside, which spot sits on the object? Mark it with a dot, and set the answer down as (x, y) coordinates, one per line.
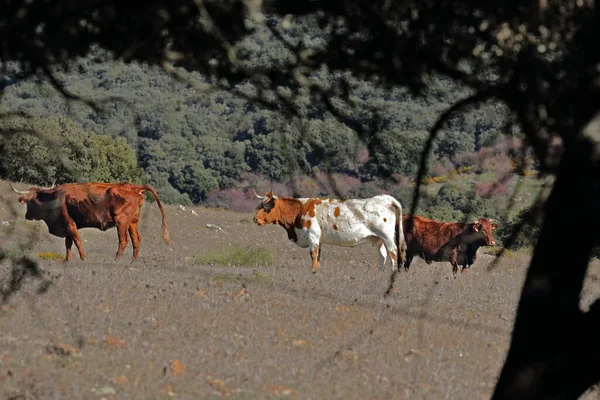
(209, 148)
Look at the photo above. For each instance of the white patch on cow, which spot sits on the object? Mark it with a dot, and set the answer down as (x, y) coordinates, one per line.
(359, 221)
(304, 235)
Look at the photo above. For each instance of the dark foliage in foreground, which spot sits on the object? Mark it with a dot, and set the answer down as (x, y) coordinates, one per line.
(539, 59)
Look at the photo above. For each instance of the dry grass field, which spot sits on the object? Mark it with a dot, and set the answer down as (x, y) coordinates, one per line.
(184, 323)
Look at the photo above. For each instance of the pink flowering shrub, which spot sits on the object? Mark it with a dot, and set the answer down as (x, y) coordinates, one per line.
(232, 199)
(490, 190)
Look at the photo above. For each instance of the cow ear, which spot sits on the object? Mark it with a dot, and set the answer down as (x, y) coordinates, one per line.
(494, 226)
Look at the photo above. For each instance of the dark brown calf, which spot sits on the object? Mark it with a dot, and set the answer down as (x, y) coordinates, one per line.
(456, 242)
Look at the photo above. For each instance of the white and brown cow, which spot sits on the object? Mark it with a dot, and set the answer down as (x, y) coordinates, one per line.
(311, 222)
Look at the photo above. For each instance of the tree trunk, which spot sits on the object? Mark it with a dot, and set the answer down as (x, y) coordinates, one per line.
(555, 347)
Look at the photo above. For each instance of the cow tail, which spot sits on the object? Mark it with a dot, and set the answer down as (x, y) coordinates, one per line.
(165, 228)
(401, 240)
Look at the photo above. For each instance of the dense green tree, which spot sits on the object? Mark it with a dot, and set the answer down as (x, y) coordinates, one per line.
(364, 191)
(332, 146)
(232, 135)
(396, 152)
(463, 200)
(528, 220)
(443, 212)
(42, 151)
(451, 143)
(193, 179)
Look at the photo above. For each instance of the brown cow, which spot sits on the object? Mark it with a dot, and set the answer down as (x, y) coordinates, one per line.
(72, 206)
(456, 242)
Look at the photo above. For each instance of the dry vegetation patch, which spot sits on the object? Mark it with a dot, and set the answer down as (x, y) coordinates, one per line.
(50, 255)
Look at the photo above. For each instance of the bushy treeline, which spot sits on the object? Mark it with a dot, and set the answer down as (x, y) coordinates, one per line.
(57, 150)
(190, 143)
(209, 147)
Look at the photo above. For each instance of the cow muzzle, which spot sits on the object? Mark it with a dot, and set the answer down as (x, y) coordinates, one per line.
(259, 222)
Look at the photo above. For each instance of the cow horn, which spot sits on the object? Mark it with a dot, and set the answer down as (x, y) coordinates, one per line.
(493, 220)
(21, 192)
(53, 184)
(271, 191)
(259, 197)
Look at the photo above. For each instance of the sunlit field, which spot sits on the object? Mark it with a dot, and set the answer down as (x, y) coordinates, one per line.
(237, 313)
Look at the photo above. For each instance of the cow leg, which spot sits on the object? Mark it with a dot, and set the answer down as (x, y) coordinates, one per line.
(382, 256)
(314, 255)
(123, 240)
(74, 235)
(392, 250)
(469, 258)
(472, 259)
(454, 261)
(453, 258)
(136, 238)
(409, 258)
(402, 256)
(68, 245)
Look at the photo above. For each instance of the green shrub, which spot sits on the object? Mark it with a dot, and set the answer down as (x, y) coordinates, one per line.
(443, 212)
(527, 234)
(45, 150)
(364, 191)
(462, 200)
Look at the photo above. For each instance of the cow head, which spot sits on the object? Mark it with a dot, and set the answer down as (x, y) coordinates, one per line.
(25, 195)
(267, 212)
(485, 226)
(40, 202)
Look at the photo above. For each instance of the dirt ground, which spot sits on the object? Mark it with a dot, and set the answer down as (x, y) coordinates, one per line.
(166, 327)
